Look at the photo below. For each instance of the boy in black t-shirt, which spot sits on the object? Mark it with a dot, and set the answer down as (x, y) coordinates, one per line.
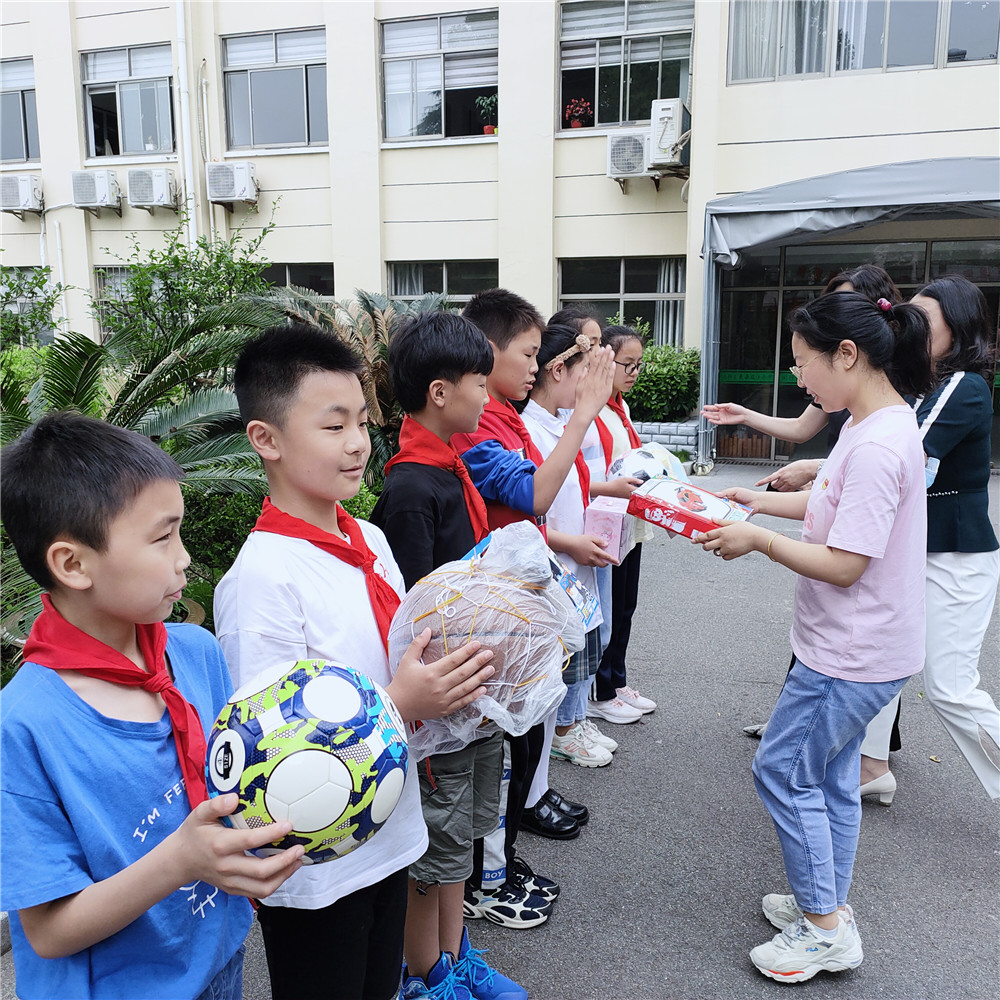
(432, 514)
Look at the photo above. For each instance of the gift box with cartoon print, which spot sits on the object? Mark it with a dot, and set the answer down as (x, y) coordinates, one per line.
(683, 508)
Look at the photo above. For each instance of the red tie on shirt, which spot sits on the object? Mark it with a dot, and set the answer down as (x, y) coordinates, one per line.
(607, 443)
(355, 552)
(617, 406)
(511, 419)
(59, 645)
(419, 445)
(583, 473)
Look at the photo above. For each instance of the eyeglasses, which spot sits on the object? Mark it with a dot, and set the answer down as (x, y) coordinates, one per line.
(631, 368)
(797, 370)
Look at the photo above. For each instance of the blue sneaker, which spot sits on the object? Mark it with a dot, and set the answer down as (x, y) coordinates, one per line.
(442, 983)
(482, 981)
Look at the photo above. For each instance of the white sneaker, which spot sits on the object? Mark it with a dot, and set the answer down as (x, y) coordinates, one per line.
(798, 952)
(632, 697)
(782, 909)
(614, 710)
(578, 749)
(596, 736)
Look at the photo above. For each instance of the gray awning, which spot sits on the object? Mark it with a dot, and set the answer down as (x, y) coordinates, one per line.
(798, 211)
(805, 210)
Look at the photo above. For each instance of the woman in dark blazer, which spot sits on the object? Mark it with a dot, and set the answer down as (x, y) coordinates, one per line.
(963, 561)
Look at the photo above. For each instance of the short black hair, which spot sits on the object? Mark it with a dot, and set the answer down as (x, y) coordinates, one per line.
(435, 345)
(271, 367)
(577, 315)
(502, 315)
(70, 476)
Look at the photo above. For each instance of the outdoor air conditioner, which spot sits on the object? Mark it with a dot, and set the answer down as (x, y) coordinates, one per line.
(96, 189)
(152, 187)
(231, 182)
(20, 193)
(669, 124)
(627, 154)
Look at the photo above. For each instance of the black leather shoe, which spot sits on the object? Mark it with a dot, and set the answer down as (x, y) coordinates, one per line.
(548, 822)
(575, 810)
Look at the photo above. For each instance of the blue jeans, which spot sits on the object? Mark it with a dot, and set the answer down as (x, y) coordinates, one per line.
(573, 707)
(604, 594)
(808, 771)
(228, 981)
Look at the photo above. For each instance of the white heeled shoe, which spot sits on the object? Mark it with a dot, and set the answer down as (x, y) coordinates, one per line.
(884, 786)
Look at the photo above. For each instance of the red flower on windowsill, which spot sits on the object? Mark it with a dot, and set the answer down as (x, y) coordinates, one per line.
(579, 112)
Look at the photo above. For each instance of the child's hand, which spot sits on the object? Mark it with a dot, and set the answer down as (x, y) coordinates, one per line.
(622, 487)
(794, 476)
(207, 850)
(432, 690)
(589, 550)
(733, 539)
(594, 389)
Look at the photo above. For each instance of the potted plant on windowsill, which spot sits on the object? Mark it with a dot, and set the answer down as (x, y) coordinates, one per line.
(487, 104)
(579, 112)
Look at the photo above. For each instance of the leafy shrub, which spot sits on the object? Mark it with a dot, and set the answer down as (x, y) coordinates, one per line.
(667, 387)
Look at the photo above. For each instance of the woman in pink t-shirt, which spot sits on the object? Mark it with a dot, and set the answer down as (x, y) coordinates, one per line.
(858, 626)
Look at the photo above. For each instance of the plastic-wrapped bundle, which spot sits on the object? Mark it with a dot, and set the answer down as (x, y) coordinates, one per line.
(508, 599)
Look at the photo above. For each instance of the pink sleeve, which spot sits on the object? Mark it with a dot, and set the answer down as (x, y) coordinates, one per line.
(869, 499)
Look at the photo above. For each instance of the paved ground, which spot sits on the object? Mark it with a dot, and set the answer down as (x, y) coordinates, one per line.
(661, 893)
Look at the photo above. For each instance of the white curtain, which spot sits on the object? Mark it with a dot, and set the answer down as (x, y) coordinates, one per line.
(407, 279)
(753, 27)
(803, 37)
(668, 322)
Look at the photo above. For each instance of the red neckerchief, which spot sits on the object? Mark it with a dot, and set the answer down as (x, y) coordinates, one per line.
(583, 473)
(419, 445)
(607, 442)
(617, 406)
(59, 645)
(511, 419)
(355, 552)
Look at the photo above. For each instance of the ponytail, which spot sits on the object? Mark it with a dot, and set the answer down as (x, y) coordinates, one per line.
(894, 338)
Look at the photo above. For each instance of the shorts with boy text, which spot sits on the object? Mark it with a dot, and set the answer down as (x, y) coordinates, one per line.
(460, 796)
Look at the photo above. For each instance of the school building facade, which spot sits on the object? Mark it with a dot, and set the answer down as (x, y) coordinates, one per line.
(571, 151)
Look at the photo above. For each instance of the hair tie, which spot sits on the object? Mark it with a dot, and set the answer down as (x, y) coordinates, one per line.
(581, 346)
(885, 305)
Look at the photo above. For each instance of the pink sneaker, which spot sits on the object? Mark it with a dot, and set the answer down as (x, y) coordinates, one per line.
(632, 698)
(614, 710)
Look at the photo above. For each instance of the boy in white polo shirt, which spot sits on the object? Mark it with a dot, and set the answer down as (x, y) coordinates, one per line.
(311, 582)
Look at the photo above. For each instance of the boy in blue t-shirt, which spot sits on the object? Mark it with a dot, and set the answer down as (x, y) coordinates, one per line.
(117, 887)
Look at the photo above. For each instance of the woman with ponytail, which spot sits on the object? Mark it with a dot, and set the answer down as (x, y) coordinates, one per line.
(963, 562)
(858, 625)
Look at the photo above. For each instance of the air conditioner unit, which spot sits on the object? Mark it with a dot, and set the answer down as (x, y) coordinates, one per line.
(628, 153)
(152, 187)
(96, 189)
(20, 193)
(231, 182)
(669, 123)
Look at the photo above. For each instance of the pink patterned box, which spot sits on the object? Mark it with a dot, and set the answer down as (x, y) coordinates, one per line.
(608, 518)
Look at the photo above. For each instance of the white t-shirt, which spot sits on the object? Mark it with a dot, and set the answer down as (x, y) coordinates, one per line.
(868, 498)
(567, 511)
(285, 599)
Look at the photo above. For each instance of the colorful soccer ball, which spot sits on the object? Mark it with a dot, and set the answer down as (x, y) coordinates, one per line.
(320, 745)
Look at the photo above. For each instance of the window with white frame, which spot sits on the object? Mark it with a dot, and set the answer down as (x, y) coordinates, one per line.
(439, 75)
(317, 278)
(458, 280)
(127, 100)
(18, 122)
(275, 85)
(650, 289)
(771, 39)
(618, 56)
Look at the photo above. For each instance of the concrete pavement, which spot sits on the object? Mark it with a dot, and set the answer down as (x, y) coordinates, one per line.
(661, 892)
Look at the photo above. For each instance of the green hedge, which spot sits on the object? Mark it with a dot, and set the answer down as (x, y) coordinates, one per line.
(667, 387)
